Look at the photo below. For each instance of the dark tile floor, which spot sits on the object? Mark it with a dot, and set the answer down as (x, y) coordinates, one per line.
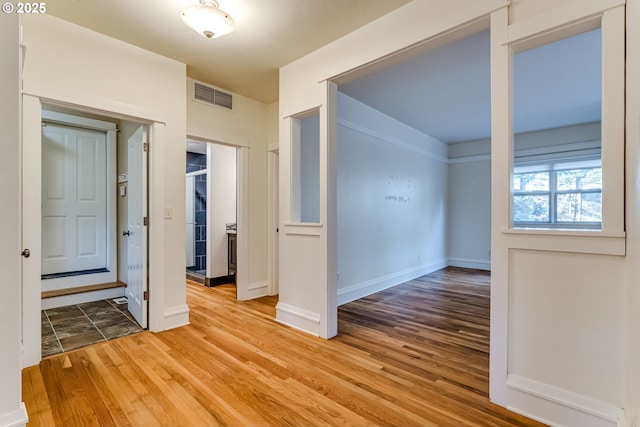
(71, 327)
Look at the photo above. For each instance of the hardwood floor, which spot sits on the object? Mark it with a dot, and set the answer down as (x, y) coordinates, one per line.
(413, 355)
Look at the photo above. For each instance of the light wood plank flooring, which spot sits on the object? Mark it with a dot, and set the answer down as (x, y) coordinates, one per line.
(413, 355)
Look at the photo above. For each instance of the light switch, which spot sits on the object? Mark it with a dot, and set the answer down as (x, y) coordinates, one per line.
(168, 212)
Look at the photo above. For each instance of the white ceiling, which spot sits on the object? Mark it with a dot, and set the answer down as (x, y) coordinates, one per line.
(445, 92)
(268, 34)
(442, 91)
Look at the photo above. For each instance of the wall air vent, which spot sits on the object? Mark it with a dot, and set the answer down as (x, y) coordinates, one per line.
(211, 95)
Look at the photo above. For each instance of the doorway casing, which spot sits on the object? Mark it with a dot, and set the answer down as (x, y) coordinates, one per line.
(33, 98)
(244, 290)
(110, 275)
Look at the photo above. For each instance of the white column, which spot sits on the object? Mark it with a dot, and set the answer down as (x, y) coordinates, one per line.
(12, 410)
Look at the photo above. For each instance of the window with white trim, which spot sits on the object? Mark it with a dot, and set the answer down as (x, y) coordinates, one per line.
(558, 195)
(557, 88)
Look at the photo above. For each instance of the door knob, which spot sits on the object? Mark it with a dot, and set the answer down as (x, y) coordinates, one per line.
(126, 233)
(26, 253)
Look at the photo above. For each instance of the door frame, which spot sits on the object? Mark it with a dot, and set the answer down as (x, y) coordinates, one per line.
(190, 214)
(273, 217)
(31, 149)
(243, 290)
(112, 215)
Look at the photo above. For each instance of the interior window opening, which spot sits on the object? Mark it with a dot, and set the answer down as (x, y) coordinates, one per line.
(557, 175)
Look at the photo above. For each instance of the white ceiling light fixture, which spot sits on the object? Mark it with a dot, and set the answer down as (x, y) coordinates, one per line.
(208, 20)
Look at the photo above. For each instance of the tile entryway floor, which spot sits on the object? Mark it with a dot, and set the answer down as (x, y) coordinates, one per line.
(71, 327)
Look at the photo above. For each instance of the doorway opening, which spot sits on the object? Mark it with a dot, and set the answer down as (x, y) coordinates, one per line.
(93, 191)
(398, 124)
(211, 212)
(394, 149)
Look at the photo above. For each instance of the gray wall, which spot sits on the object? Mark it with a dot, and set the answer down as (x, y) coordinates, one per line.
(392, 201)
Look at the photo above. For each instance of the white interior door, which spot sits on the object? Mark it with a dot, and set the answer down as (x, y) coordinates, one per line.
(137, 231)
(191, 221)
(74, 199)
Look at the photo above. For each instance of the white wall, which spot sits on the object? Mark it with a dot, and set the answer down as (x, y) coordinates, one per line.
(392, 200)
(12, 411)
(555, 276)
(565, 322)
(524, 9)
(469, 214)
(244, 127)
(222, 205)
(68, 63)
(272, 123)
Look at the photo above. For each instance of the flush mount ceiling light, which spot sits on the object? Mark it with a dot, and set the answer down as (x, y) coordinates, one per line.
(208, 20)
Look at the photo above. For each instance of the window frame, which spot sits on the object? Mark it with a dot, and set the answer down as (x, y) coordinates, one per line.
(610, 238)
(552, 195)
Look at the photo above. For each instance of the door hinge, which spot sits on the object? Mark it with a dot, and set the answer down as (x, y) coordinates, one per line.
(145, 220)
(145, 295)
(145, 147)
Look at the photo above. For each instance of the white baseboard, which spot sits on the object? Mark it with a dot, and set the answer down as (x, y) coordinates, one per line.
(298, 318)
(258, 289)
(478, 264)
(362, 289)
(253, 290)
(177, 316)
(17, 418)
(558, 407)
(79, 280)
(81, 298)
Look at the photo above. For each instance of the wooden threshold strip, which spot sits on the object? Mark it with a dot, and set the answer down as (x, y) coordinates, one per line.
(81, 289)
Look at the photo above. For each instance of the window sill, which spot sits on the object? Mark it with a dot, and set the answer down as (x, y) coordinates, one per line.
(303, 228)
(574, 241)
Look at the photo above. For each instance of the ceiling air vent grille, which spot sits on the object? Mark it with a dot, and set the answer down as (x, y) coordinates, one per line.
(212, 95)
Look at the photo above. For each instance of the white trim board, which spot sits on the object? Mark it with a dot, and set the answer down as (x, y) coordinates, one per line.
(298, 318)
(257, 289)
(83, 122)
(64, 300)
(476, 264)
(97, 105)
(176, 316)
(393, 140)
(15, 418)
(561, 407)
(369, 287)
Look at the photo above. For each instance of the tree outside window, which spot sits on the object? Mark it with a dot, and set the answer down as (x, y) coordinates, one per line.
(559, 198)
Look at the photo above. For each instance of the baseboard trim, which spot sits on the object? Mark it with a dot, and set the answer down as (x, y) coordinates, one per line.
(555, 406)
(81, 289)
(257, 290)
(177, 316)
(298, 318)
(221, 280)
(17, 418)
(64, 300)
(80, 280)
(363, 289)
(477, 264)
